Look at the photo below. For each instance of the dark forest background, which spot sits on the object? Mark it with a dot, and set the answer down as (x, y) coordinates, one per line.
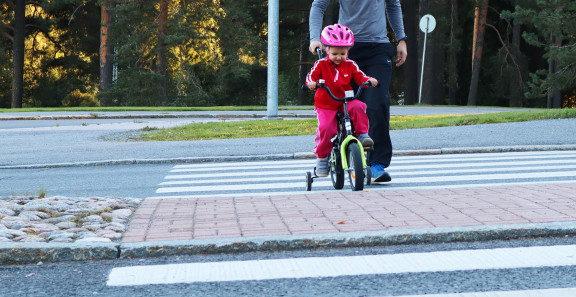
(210, 53)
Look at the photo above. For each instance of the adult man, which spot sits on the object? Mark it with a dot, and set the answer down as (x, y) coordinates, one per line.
(373, 53)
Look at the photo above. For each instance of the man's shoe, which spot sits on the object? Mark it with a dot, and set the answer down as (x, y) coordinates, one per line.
(379, 174)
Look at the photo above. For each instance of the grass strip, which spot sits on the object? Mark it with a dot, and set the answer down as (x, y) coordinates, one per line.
(272, 128)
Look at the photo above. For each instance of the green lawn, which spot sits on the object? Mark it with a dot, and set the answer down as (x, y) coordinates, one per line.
(268, 128)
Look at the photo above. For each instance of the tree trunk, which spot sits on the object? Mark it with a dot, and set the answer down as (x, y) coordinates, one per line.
(516, 88)
(453, 55)
(18, 54)
(477, 47)
(106, 50)
(411, 65)
(554, 100)
(303, 69)
(162, 55)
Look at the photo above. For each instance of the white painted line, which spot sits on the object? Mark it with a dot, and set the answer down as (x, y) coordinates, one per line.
(409, 180)
(265, 186)
(460, 260)
(482, 164)
(563, 292)
(484, 156)
(241, 164)
(248, 164)
(236, 173)
(395, 171)
(245, 167)
(291, 178)
(477, 177)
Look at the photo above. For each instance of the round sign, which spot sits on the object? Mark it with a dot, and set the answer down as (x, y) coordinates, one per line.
(427, 23)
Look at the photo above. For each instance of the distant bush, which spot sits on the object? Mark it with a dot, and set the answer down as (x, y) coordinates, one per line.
(78, 99)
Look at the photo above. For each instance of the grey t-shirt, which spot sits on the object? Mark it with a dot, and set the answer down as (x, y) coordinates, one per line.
(366, 19)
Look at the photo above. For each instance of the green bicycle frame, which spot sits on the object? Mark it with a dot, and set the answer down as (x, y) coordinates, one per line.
(343, 151)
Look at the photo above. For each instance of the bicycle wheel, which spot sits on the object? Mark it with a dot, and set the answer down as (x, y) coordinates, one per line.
(336, 171)
(355, 167)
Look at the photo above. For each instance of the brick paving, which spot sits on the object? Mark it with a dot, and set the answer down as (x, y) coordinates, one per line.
(347, 211)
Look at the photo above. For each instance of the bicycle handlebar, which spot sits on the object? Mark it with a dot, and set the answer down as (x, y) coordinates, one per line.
(320, 84)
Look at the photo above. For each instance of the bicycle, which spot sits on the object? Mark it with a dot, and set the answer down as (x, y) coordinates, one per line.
(348, 153)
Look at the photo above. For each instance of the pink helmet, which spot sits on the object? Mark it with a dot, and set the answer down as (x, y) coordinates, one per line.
(337, 35)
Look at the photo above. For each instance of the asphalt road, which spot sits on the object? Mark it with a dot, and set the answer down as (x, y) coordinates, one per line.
(90, 278)
(23, 143)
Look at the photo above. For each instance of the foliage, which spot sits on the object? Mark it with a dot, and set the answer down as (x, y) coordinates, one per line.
(79, 99)
(550, 20)
(216, 51)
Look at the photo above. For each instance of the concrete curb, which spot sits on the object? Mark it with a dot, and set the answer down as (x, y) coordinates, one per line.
(34, 252)
(299, 155)
(26, 253)
(346, 240)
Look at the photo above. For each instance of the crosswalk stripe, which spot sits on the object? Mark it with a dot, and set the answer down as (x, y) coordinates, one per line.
(314, 267)
(409, 172)
(478, 157)
(265, 186)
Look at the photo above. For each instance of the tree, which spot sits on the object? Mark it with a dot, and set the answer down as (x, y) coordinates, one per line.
(481, 12)
(453, 51)
(106, 48)
(162, 50)
(553, 30)
(409, 8)
(18, 53)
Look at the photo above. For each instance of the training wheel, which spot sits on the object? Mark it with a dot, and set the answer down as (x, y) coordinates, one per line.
(308, 181)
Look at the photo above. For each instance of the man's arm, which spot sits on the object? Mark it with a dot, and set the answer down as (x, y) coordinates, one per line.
(394, 13)
(315, 23)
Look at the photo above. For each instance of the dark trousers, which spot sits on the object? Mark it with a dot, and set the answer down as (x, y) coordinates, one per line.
(375, 60)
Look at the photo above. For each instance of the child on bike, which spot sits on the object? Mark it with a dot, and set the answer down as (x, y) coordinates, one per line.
(338, 71)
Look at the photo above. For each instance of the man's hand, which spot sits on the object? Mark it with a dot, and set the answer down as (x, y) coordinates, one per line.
(401, 53)
(313, 45)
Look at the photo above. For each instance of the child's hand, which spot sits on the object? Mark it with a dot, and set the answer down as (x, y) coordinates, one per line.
(312, 86)
(373, 81)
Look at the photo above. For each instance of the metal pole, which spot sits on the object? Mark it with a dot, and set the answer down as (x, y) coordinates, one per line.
(273, 39)
(423, 57)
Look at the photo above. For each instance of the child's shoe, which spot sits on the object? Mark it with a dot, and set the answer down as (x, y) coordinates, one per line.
(365, 139)
(322, 167)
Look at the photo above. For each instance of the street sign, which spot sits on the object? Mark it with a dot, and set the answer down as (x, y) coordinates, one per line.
(427, 23)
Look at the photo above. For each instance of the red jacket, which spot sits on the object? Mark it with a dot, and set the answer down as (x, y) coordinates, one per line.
(337, 77)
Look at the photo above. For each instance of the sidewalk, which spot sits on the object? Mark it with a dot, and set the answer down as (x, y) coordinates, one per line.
(346, 218)
(189, 226)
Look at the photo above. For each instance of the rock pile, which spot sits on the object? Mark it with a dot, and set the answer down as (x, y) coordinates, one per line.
(64, 219)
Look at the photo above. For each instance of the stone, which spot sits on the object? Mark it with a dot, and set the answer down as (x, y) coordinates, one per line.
(30, 238)
(122, 213)
(92, 219)
(6, 212)
(66, 225)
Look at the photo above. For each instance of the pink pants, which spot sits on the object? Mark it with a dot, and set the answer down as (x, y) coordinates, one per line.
(327, 127)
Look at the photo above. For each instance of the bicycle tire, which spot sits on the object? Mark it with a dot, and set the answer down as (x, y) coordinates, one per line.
(336, 171)
(355, 167)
